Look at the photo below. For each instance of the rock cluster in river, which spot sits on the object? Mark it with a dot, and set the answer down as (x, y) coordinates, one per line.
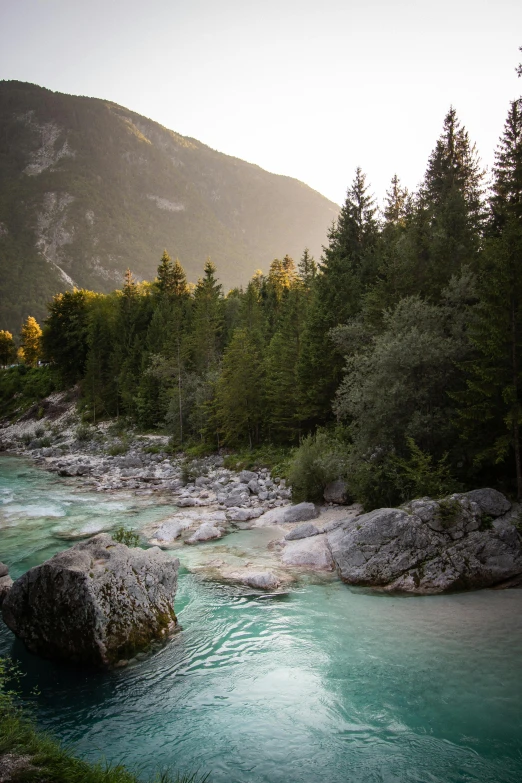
(465, 541)
(98, 603)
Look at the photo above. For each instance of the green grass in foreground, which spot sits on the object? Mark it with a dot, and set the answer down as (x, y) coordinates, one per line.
(46, 759)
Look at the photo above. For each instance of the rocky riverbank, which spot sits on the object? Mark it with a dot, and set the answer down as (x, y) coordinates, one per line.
(104, 458)
(464, 541)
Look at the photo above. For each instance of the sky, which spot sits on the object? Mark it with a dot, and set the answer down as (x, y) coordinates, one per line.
(307, 89)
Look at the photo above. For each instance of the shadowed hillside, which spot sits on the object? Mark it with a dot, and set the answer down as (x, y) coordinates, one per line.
(89, 188)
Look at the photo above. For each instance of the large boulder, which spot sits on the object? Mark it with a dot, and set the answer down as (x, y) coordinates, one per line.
(205, 532)
(308, 553)
(284, 515)
(97, 603)
(305, 530)
(490, 501)
(427, 547)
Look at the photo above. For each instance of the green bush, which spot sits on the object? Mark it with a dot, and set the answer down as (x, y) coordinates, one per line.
(21, 387)
(275, 458)
(387, 480)
(122, 535)
(118, 448)
(320, 459)
(83, 433)
(152, 449)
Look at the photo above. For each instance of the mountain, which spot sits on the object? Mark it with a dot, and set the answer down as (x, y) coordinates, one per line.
(89, 188)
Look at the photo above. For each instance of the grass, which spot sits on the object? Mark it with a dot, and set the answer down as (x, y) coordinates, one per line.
(46, 759)
(276, 458)
(21, 387)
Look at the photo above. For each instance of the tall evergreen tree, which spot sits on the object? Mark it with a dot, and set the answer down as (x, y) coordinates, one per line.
(65, 333)
(451, 199)
(493, 400)
(307, 268)
(348, 269)
(208, 320)
(240, 390)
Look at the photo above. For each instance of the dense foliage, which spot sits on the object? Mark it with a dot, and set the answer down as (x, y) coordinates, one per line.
(395, 362)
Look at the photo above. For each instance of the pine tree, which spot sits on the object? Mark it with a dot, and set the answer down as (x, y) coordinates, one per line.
(240, 390)
(65, 333)
(100, 389)
(207, 325)
(451, 206)
(307, 268)
(172, 281)
(283, 392)
(348, 269)
(7, 348)
(491, 408)
(396, 206)
(31, 341)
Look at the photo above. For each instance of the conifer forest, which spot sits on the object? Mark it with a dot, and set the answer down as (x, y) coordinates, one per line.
(394, 360)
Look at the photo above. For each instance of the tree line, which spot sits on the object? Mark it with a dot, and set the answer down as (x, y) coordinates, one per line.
(404, 343)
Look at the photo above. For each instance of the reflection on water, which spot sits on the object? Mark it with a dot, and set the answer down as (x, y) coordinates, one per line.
(321, 684)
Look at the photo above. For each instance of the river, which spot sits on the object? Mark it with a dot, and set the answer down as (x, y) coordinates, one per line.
(321, 683)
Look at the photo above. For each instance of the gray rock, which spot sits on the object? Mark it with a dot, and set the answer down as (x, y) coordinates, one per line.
(302, 512)
(305, 530)
(490, 501)
(309, 553)
(236, 499)
(3, 569)
(336, 492)
(202, 481)
(247, 475)
(186, 502)
(253, 486)
(260, 580)
(427, 547)
(205, 532)
(170, 530)
(243, 514)
(95, 603)
(332, 525)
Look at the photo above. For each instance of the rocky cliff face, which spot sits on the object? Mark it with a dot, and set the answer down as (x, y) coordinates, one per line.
(88, 188)
(98, 603)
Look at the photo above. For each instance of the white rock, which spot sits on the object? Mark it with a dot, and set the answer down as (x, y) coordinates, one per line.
(205, 532)
(308, 553)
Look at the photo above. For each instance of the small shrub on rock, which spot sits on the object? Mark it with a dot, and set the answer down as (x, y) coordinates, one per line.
(122, 535)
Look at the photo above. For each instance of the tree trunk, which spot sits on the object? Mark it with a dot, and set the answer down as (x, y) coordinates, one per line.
(516, 426)
(179, 396)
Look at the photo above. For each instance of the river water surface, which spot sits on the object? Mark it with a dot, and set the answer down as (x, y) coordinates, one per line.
(323, 684)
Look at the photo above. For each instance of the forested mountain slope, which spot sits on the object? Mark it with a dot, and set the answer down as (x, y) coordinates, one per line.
(89, 188)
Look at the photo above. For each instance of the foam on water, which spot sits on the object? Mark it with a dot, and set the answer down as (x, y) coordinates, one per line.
(323, 683)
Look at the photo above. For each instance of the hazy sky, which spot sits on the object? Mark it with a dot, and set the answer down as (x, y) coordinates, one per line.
(308, 89)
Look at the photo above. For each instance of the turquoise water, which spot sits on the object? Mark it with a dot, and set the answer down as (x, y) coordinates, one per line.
(323, 683)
